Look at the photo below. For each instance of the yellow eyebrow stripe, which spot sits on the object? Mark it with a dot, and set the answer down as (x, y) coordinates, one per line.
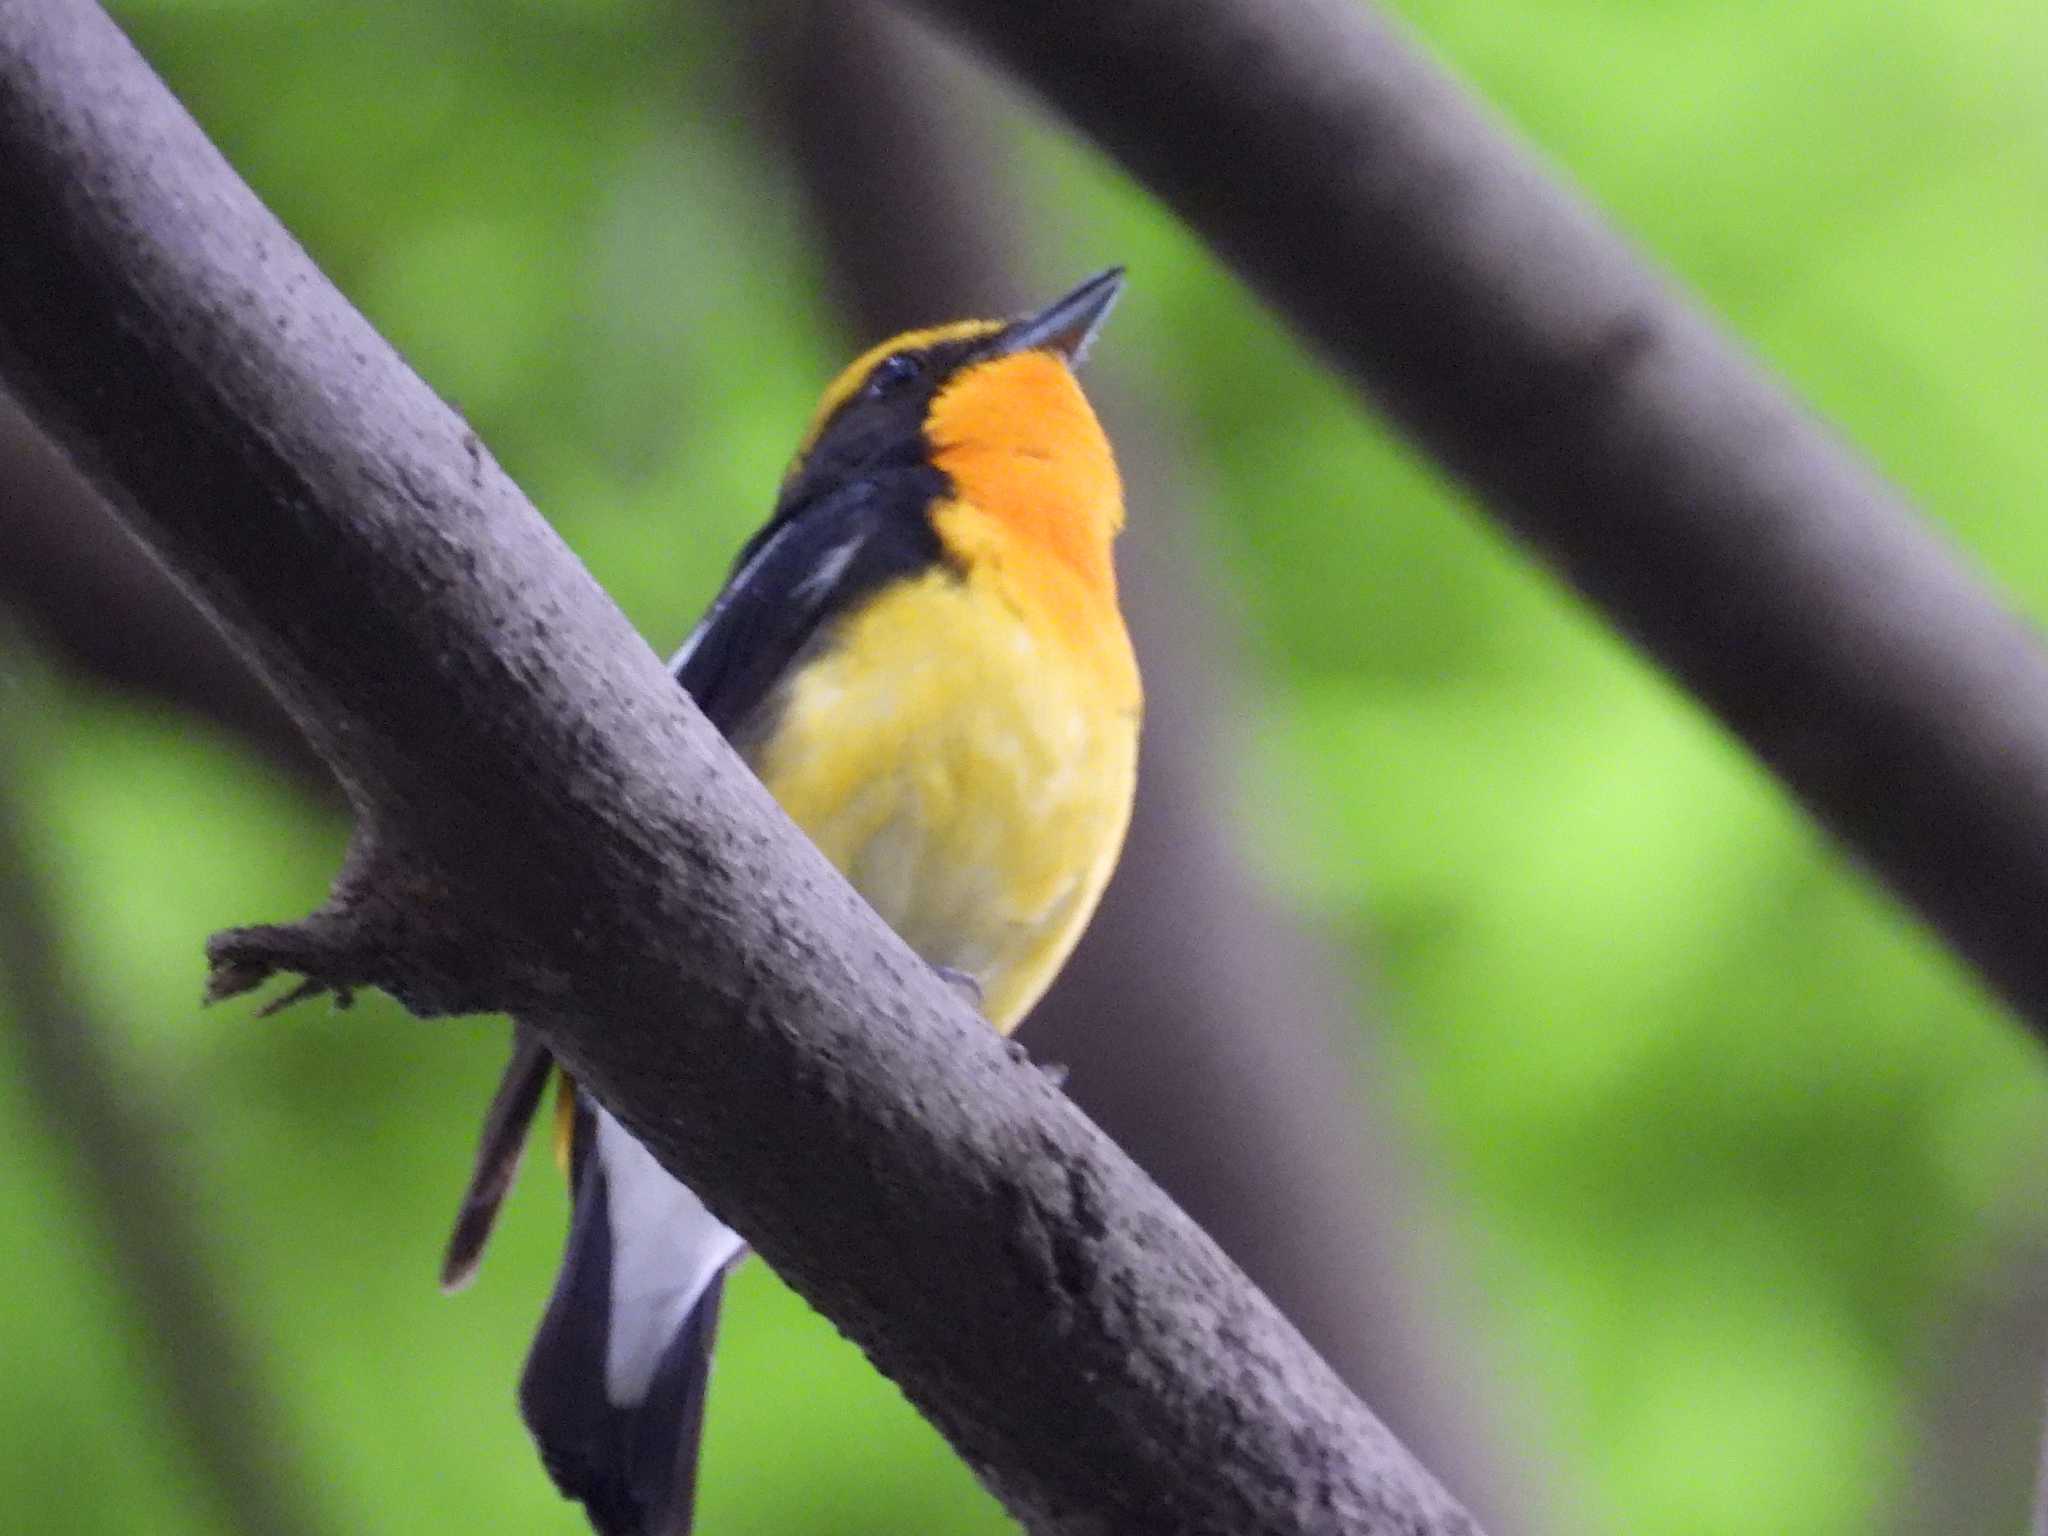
(855, 374)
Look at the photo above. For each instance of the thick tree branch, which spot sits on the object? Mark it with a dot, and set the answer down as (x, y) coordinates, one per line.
(1192, 999)
(206, 1368)
(1599, 413)
(547, 826)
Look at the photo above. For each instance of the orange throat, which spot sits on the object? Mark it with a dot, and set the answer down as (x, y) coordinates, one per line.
(1036, 499)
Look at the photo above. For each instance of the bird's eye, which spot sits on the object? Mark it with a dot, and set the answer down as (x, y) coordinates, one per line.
(893, 371)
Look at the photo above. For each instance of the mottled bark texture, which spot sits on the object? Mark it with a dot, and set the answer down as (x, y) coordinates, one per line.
(546, 827)
(1599, 413)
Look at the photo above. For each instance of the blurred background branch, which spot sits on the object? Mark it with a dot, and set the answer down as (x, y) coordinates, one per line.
(1977, 1402)
(214, 1392)
(99, 603)
(1603, 415)
(1194, 999)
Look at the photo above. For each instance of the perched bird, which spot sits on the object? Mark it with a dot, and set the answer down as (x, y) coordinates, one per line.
(922, 657)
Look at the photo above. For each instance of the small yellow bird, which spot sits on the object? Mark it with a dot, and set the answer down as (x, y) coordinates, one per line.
(922, 657)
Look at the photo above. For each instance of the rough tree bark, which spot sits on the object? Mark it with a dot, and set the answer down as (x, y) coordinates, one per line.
(1193, 998)
(214, 1396)
(547, 827)
(1600, 414)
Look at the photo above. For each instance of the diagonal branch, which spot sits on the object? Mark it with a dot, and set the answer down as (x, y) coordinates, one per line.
(1600, 414)
(545, 825)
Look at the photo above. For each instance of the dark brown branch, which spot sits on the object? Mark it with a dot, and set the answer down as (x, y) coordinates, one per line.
(1974, 1396)
(1599, 413)
(1193, 1000)
(215, 1399)
(93, 596)
(547, 826)
(2041, 1492)
(892, 165)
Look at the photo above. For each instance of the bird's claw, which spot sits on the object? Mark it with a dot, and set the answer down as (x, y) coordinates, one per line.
(966, 983)
(1054, 1072)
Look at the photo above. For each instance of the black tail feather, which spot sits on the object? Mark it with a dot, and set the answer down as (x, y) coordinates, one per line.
(498, 1153)
(625, 1440)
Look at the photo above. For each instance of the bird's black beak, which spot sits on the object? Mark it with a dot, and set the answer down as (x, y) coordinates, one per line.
(1066, 325)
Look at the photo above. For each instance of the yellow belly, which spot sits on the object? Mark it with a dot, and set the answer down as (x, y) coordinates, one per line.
(968, 773)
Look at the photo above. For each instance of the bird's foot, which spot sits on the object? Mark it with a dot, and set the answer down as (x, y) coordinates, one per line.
(966, 983)
(1054, 1072)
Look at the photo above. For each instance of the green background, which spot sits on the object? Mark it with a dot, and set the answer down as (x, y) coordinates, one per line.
(1730, 1143)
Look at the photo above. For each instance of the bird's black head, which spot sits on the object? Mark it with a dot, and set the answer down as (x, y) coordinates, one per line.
(871, 422)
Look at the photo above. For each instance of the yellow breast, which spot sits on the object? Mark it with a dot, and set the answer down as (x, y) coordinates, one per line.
(969, 768)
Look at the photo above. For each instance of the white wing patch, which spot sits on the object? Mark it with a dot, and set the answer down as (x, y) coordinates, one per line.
(744, 575)
(825, 575)
(681, 659)
(666, 1248)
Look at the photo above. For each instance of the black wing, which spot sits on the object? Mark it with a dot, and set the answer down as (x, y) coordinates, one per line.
(817, 560)
(811, 568)
(497, 1155)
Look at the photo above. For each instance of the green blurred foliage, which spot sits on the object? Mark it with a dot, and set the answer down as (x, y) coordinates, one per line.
(1730, 1138)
